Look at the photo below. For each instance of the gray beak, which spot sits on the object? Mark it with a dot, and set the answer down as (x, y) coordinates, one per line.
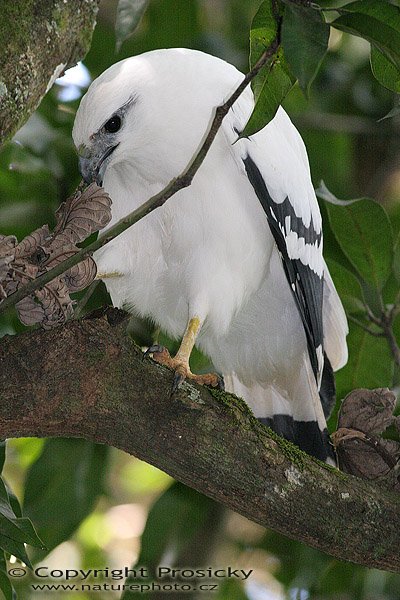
(92, 168)
(86, 169)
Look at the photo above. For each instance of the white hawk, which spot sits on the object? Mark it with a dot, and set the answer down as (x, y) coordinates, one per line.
(232, 263)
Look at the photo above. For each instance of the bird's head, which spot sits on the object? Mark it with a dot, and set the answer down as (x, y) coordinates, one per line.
(150, 111)
(104, 122)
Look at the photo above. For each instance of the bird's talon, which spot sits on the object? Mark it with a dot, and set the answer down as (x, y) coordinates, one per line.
(179, 378)
(210, 379)
(154, 349)
(181, 369)
(220, 383)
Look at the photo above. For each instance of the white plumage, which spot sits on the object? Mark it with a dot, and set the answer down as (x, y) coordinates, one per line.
(211, 251)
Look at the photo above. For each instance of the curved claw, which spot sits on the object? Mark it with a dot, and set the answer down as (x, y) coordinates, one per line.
(209, 379)
(220, 382)
(179, 378)
(152, 350)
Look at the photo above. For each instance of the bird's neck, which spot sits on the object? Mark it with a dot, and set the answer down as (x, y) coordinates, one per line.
(128, 189)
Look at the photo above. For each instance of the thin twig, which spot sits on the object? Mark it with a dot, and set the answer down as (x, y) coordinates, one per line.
(387, 326)
(184, 180)
(395, 309)
(302, 3)
(374, 319)
(385, 322)
(365, 327)
(338, 122)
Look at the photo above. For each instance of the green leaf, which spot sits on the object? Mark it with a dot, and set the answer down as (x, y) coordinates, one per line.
(263, 31)
(363, 231)
(348, 288)
(5, 583)
(20, 530)
(305, 37)
(231, 589)
(339, 579)
(275, 86)
(377, 22)
(15, 548)
(15, 531)
(384, 71)
(9, 505)
(62, 487)
(396, 259)
(2, 454)
(274, 80)
(174, 521)
(332, 250)
(14, 502)
(161, 532)
(384, 11)
(296, 561)
(5, 586)
(29, 533)
(129, 13)
(370, 363)
(5, 506)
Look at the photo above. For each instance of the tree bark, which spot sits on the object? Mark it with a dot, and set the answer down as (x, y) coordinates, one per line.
(88, 379)
(39, 39)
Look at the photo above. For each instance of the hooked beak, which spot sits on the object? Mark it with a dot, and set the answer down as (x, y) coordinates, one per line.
(92, 167)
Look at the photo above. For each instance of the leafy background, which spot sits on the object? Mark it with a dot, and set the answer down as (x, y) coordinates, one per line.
(94, 506)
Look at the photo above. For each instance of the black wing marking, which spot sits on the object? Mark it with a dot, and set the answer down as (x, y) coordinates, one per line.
(305, 283)
(327, 390)
(306, 434)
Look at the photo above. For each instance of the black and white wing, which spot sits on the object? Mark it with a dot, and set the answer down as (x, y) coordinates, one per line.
(300, 248)
(283, 186)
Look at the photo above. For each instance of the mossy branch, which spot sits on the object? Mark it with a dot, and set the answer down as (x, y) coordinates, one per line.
(39, 39)
(88, 379)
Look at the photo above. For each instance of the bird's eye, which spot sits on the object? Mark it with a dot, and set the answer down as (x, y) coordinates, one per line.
(113, 124)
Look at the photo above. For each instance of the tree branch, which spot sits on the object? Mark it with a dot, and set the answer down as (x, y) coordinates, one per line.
(88, 379)
(39, 39)
(387, 325)
(178, 183)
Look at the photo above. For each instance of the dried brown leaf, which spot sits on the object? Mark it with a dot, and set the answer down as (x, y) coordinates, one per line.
(10, 286)
(397, 423)
(50, 306)
(370, 411)
(7, 249)
(361, 451)
(30, 311)
(31, 243)
(5, 266)
(7, 244)
(83, 214)
(369, 458)
(19, 274)
(81, 275)
(24, 271)
(57, 252)
(56, 303)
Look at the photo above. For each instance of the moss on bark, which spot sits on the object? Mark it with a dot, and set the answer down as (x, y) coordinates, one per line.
(39, 39)
(88, 379)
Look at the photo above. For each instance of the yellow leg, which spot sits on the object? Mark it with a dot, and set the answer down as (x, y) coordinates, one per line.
(180, 363)
(188, 341)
